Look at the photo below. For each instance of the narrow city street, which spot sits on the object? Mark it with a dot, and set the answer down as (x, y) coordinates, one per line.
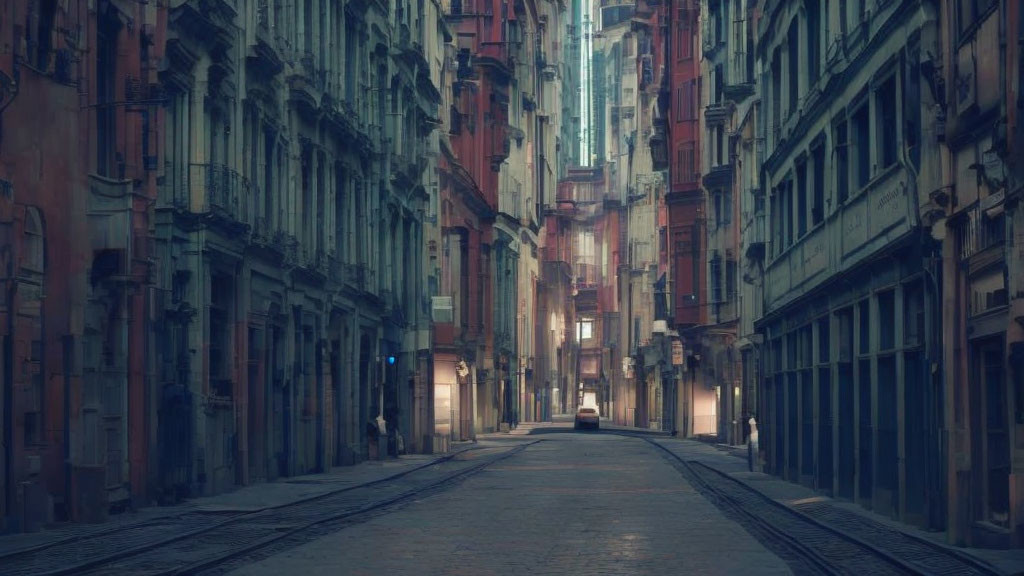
(510, 287)
(540, 499)
(570, 504)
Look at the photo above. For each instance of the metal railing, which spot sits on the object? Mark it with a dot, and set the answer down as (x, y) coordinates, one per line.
(218, 189)
(976, 231)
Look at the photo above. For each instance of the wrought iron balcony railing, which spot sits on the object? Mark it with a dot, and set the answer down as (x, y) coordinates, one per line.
(976, 231)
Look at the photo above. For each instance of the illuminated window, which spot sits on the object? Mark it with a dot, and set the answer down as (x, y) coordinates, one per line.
(584, 329)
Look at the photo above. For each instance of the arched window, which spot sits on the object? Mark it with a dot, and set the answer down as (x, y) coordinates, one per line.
(34, 249)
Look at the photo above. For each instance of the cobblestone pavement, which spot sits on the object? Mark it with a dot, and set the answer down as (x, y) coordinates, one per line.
(573, 504)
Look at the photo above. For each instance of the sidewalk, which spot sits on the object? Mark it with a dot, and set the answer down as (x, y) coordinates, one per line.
(242, 500)
(732, 460)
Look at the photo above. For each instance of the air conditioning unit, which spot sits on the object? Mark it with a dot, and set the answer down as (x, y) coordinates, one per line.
(659, 327)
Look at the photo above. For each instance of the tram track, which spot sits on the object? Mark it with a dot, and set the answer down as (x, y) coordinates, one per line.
(193, 543)
(844, 545)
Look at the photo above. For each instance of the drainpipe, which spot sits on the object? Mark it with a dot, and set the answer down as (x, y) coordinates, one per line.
(8, 395)
(932, 356)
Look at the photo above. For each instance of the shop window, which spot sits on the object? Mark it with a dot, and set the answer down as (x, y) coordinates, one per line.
(886, 320)
(845, 348)
(913, 315)
(864, 331)
(824, 341)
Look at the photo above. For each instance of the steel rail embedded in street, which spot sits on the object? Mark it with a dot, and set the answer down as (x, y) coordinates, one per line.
(224, 540)
(829, 548)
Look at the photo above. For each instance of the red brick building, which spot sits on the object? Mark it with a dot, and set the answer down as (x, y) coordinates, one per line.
(685, 199)
(478, 133)
(77, 174)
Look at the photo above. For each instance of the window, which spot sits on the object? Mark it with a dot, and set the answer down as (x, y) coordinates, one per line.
(679, 104)
(279, 23)
(719, 84)
(885, 98)
(818, 197)
(813, 47)
(306, 160)
(824, 340)
(864, 332)
(776, 222)
(801, 199)
(43, 37)
(716, 279)
(913, 315)
(862, 143)
(970, 11)
(727, 208)
(341, 225)
(351, 62)
(730, 279)
(688, 110)
(269, 183)
(793, 71)
(307, 26)
(886, 320)
(787, 214)
(719, 145)
(842, 148)
(584, 329)
(845, 348)
(33, 253)
(685, 157)
(776, 79)
(106, 114)
(684, 42)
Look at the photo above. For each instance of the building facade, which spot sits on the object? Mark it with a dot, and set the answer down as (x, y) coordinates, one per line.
(219, 273)
(975, 213)
(849, 320)
(78, 173)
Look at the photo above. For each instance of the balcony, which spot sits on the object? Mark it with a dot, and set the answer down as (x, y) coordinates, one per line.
(755, 238)
(738, 91)
(718, 177)
(716, 113)
(976, 231)
(210, 21)
(215, 191)
(495, 54)
(306, 84)
(510, 200)
(357, 277)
